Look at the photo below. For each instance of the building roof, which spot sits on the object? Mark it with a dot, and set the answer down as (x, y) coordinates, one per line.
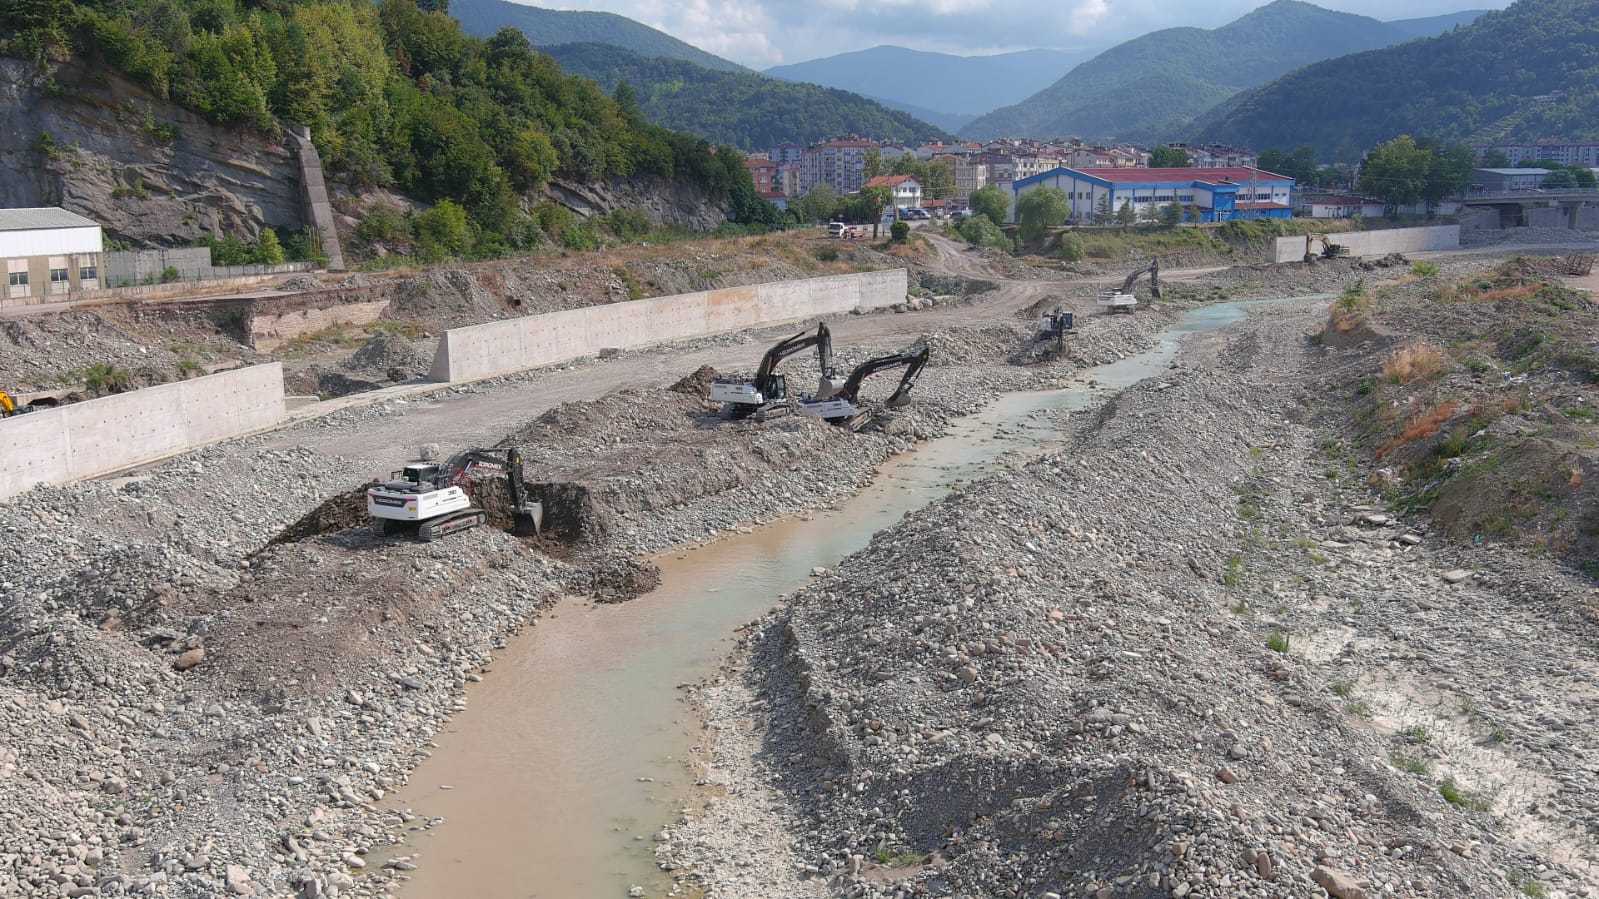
(1264, 206)
(41, 218)
(891, 181)
(773, 195)
(1516, 171)
(1233, 177)
(759, 162)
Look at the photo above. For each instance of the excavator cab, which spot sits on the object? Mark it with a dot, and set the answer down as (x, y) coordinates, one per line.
(418, 473)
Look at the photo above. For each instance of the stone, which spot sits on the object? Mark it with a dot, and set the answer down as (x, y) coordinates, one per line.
(1263, 865)
(190, 658)
(635, 891)
(1226, 775)
(1337, 884)
(967, 674)
(1455, 576)
(238, 880)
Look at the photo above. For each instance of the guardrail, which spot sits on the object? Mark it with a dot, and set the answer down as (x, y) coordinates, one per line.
(1553, 193)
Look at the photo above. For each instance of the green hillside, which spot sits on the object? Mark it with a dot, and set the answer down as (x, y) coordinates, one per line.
(1198, 68)
(394, 97)
(1477, 82)
(740, 108)
(548, 27)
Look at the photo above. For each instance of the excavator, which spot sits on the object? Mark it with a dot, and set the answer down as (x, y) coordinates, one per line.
(1329, 250)
(1056, 326)
(843, 407)
(768, 389)
(1123, 299)
(433, 499)
(9, 407)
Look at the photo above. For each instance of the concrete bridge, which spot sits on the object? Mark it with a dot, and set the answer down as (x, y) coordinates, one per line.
(1555, 207)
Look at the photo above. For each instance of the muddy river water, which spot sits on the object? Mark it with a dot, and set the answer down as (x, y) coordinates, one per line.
(573, 751)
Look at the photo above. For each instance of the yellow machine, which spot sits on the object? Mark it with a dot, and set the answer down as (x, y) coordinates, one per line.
(9, 407)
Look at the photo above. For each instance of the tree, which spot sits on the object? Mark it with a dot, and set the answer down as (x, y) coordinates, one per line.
(1193, 213)
(1126, 215)
(442, 232)
(1449, 172)
(1396, 172)
(1072, 249)
(1040, 209)
(872, 163)
(980, 230)
(899, 231)
(1495, 159)
(1102, 213)
(268, 250)
(990, 201)
(867, 205)
(817, 205)
(1169, 158)
(1299, 165)
(1171, 214)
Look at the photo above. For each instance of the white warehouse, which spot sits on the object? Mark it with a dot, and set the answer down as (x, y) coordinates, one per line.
(49, 254)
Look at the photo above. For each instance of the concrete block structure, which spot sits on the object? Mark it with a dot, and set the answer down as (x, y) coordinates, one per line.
(1218, 195)
(50, 255)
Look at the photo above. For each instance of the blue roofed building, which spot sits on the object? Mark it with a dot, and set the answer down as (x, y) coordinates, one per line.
(1213, 195)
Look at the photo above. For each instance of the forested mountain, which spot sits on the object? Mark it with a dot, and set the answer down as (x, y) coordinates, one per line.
(1150, 87)
(744, 109)
(1429, 26)
(1528, 72)
(394, 96)
(548, 27)
(950, 85)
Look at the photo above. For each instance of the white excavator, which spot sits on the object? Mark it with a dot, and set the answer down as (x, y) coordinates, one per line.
(1124, 299)
(843, 407)
(768, 390)
(434, 499)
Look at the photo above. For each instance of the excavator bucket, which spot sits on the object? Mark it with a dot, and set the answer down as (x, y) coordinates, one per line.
(528, 521)
(826, 387)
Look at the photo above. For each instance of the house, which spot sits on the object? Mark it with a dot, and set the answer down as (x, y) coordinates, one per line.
(1214, 195)
(1494, 180)
(1341, 207)
(906, 189)
(49, 253)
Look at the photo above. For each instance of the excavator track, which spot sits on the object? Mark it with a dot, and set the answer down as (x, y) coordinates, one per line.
(463, 520)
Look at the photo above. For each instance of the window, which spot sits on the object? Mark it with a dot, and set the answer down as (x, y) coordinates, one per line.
(58, 281)
(88, 273)
(19, 285)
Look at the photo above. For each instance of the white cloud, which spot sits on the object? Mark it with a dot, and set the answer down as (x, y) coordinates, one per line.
(1086, 16)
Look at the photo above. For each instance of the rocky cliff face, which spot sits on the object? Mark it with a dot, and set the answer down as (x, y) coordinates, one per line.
(155, 174)
(664, 202)
(150, 172)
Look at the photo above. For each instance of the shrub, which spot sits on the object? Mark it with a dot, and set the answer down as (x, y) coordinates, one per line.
(982, 232)
(103, 378)
(268, 250)
(1424, 269)
(1072, 249)
(1413, 361)
(899, 231)
(170, 274)
(442, 232)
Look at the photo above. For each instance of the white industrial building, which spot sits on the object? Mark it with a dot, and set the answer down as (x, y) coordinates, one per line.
(49, 253)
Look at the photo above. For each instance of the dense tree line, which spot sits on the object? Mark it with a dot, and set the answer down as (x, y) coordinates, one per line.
(1526, 73)
(395, 96)
(744, 109)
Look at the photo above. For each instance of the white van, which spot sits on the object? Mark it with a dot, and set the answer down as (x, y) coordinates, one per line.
(837, 229)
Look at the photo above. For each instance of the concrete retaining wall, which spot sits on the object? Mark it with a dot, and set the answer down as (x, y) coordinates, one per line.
(269, 331)
(1588, 217)
(104, 435)
(1375, 243)
(125, 268)
(496, 348)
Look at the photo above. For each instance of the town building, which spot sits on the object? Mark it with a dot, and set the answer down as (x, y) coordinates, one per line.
(1579, 153)
(1493, 180)
(763, 172)
(49, 253)
(786, 154)
(969, 175)
(907, 190)
(1215, 194)
(1341, 207)
(840, 164)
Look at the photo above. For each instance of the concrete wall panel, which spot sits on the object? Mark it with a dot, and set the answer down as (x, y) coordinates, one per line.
(496, 348)
(104, 435)
(35, 450)
(1375, 243)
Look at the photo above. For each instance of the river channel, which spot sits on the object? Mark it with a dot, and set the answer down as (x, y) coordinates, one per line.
(573, 751)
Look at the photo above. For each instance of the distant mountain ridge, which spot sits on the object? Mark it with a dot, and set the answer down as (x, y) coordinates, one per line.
(1529, 72)
(549, 27)
(940, 84)
(1151, 87)
(744, 108)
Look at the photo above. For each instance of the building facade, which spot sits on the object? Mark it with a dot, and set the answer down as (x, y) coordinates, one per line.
(907, 191)
(840, 164)
(49, 254)
(1581, 153)
(1493, 180)
(1216, 195)
(763, 172)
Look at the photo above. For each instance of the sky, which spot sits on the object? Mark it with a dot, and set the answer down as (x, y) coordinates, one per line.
(765, 33)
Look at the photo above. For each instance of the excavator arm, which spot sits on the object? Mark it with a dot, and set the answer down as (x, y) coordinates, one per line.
(822, 340)
(1153, 271)
(528, 516)
(914, 361)
(8, 406)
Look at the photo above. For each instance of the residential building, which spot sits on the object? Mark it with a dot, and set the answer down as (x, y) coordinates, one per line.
(788, 179)
(1578, 153)
(1218, 156)
(1218, 194)
(970, 175)
(1493, 180)
(840, 164)
(907, 190)
(763, 172)
(786, 154)
(49, 253)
